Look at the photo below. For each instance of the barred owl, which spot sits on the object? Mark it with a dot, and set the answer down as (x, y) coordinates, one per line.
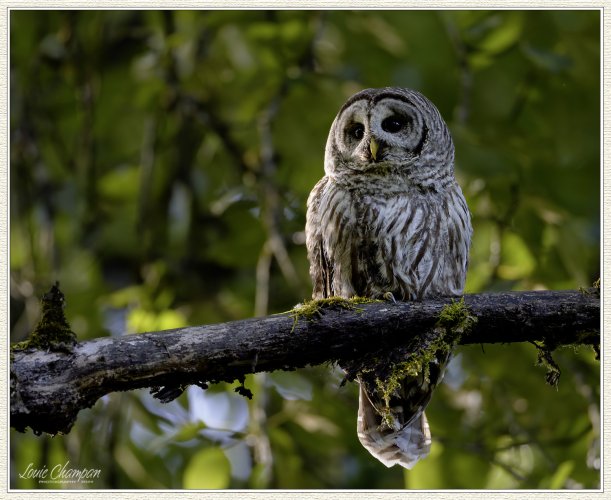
(389, 218)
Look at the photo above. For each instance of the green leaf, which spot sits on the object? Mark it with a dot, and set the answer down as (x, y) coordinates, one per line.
(562, 473)
(189, 431)
(141, 320)
(208, 469)
(517, 261)
(502, 36)
(546, 59)
(121, 184)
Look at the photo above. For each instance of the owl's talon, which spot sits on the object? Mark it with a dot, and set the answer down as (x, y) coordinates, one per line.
(389, 296)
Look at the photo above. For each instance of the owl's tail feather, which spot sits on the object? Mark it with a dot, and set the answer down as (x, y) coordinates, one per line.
(404, 446)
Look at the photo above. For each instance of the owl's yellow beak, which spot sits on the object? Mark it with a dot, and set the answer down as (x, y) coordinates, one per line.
(373, 147)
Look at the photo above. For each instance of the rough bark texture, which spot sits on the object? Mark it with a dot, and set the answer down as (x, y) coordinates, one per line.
(48, 389)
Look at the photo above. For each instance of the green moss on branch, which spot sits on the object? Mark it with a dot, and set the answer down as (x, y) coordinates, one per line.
(53, 330)
(453, 321)
(309, 309)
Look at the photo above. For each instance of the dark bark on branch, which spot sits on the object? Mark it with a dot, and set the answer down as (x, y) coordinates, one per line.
(48, 389)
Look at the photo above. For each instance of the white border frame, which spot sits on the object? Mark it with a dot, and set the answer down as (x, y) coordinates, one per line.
(5, 492)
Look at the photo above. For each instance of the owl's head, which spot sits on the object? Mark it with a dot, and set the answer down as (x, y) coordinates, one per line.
(390, 128)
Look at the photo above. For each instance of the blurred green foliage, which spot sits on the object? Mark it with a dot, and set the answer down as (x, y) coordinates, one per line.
(160, 164)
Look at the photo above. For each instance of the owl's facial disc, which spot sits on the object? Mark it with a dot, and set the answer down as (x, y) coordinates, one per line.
(373, 132)
(389, 130)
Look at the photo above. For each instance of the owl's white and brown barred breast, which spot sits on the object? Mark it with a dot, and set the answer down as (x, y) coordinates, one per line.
(388, 216)
(376, 236)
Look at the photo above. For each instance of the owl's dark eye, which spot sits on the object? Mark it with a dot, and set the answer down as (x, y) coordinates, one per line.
(393, 124)
(357, 131)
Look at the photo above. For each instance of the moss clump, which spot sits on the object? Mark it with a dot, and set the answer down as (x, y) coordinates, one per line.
(311, 308)
(545, 359)
(596, 348)
(453, 321)
(52, 331)
(593, 290)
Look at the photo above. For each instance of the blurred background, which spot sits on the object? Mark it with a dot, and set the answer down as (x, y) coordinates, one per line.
(160, 165)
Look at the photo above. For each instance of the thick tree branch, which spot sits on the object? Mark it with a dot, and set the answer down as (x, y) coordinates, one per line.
(49, 388)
